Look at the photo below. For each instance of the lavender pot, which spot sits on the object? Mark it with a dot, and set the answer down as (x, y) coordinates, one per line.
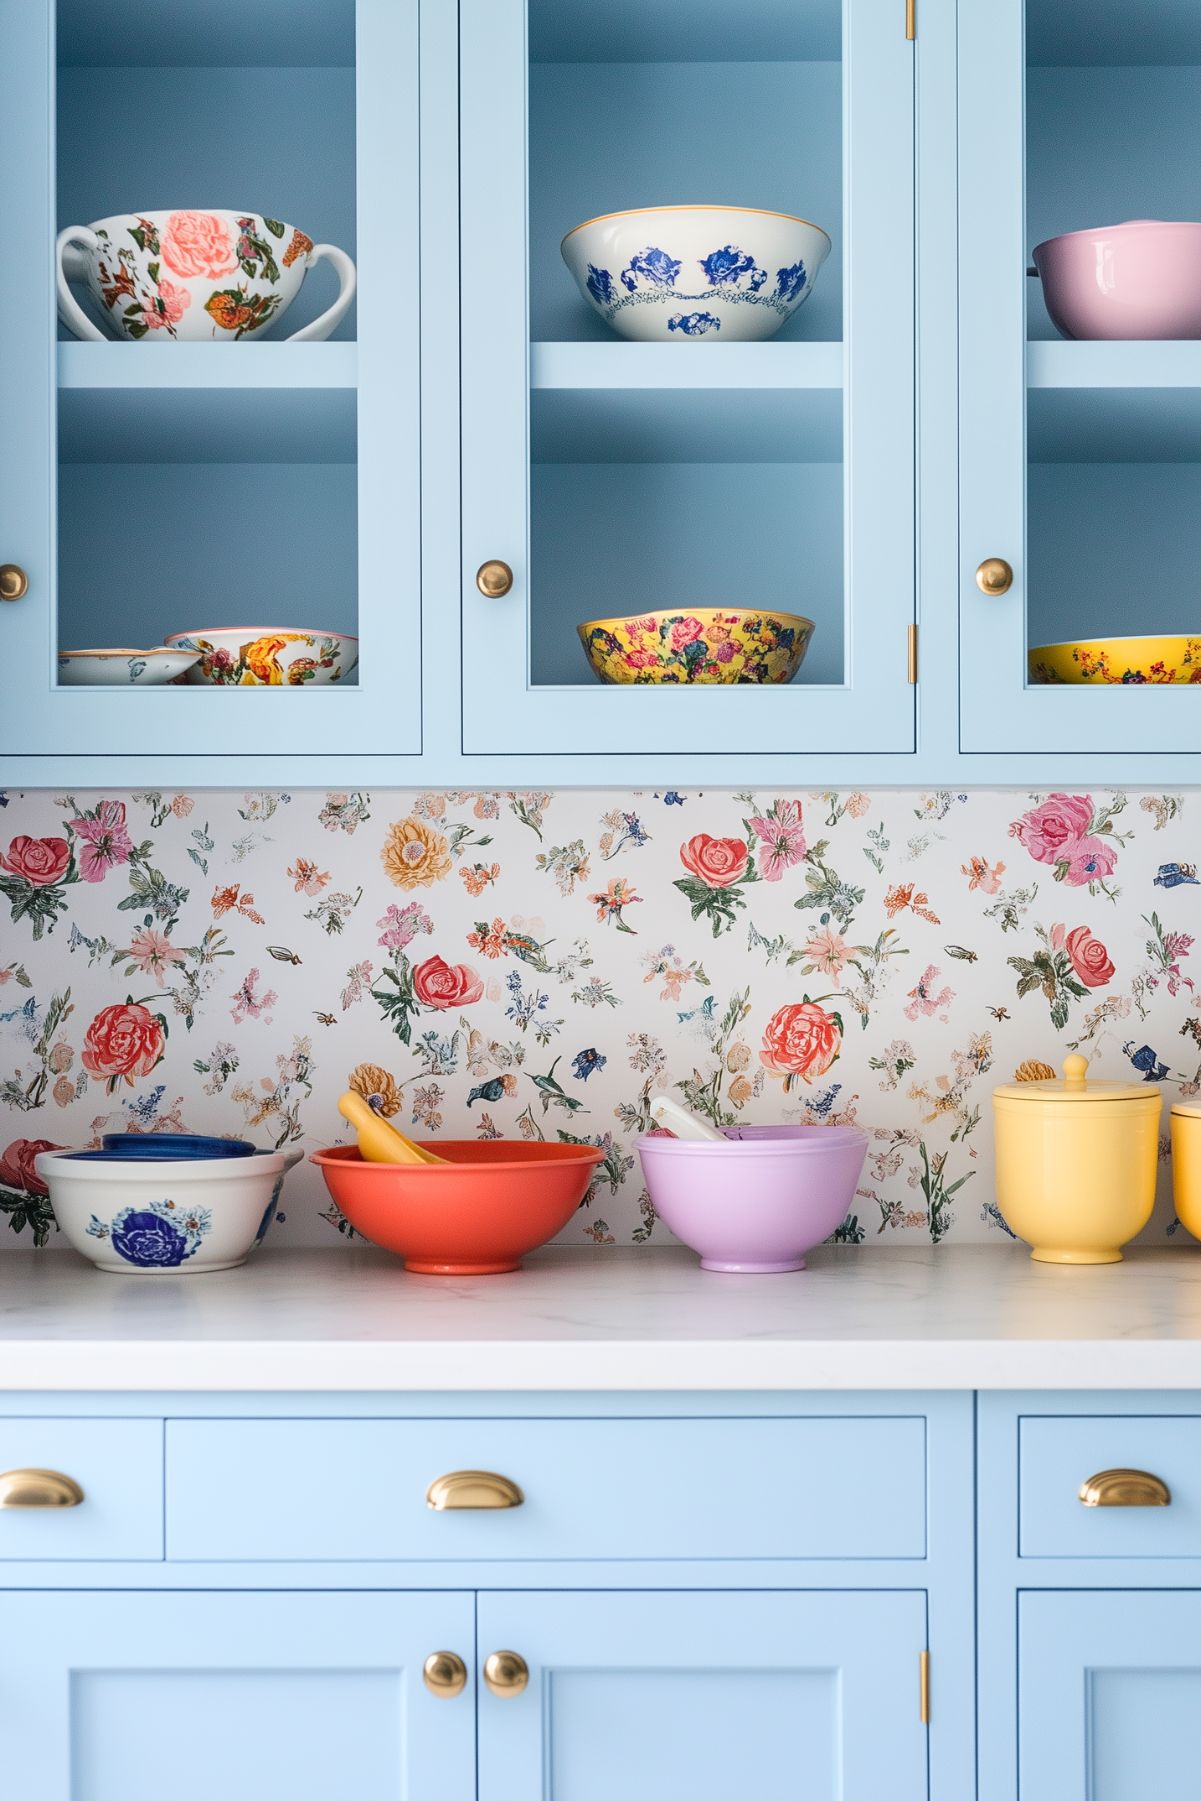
(756, 1204)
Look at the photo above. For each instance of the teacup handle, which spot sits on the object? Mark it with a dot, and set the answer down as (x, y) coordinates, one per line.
(69, 309)
(326, 322)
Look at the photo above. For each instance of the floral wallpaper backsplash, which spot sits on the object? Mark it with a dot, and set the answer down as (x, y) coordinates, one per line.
(532, 965)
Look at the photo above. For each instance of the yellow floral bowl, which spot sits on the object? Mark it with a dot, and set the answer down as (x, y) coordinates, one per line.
(267, 656)
(703, 644)
(1132, 661)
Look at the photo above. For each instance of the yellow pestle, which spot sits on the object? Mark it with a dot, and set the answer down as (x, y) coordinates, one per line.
(380, 1142)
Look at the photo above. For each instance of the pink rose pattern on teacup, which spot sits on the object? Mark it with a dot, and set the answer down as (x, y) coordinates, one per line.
(198, 244)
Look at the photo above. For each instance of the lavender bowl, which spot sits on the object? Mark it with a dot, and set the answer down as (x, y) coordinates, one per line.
(755, 1205)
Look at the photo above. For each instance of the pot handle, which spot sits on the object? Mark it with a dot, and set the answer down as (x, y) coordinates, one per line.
(326, 322)
(69, 309)
(1033, 271)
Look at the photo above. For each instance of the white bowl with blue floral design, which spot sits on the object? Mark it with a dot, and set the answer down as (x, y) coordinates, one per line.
(692, 274)
(123, 668)
(173, 1217)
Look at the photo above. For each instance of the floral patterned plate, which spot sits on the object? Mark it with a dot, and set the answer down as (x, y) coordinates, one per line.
(706, 645)
(123, 668)
(267, 656)
(1130, 661)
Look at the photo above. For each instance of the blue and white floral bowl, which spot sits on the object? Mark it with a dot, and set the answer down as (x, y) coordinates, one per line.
(680, 274)
(144, 1217)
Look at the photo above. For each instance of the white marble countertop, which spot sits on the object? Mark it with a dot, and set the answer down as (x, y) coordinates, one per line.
(597, 1320)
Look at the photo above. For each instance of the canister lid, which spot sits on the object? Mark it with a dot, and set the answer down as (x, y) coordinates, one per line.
(1074, 1086)
(1186, 1112)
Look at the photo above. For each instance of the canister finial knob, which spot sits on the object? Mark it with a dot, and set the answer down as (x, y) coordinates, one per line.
(1075, 1068)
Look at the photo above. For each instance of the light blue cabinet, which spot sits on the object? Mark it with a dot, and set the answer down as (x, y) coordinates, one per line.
(136, 1697)
(1080, 463)
(1109, 1692)
(619, 478)
(151, 488)
(705, 1695)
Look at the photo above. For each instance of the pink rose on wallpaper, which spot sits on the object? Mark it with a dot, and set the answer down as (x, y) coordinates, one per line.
(718, 862)
(16, 1165)
(125, 1040)
(39, 861)
(171, 306)
(437, 983)
(1090, 959)
(781, 836)
(1091, 860)
(801, 1040)
(685, 631)
(102, 840)
(198, 244)
(1052, 831)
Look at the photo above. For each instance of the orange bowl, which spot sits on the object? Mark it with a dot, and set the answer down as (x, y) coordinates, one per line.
(476, 1215)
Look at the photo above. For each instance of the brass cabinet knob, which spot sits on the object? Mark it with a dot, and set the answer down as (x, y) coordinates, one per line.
(38, 1488)
(506, 1673)
(994, 576)
(1125, 1488)
(13, 581)
(444, 1674)
(493, 579)
(472, 1489)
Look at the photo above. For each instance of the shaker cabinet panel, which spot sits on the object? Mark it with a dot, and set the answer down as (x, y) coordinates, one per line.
(137, 1697)
(222, 434)
(705, 1695)
(1109, 1692)
(652, 481)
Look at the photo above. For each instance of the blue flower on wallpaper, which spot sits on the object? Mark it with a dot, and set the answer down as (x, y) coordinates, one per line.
(1146, 1062)
(790, 281)
(1171, 875)
(726, 268)
(584, 1062)
(652, 265)
(673, 799)
(488, 1091)
(600, 285)
(694, 325)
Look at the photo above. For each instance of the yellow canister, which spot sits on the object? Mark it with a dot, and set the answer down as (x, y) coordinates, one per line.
(1076, 1163)
(1186, 1165)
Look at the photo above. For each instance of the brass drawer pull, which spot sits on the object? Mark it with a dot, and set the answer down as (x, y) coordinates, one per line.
(506, 1673)
(493, 579)
(472, 1489)
(14, 583)
(38, 1488)
(994, 577)
(1125, 1488)
(444, 1674)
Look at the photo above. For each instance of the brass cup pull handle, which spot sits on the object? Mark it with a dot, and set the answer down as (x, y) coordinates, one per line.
(475, 1489)
(994, 576)
(444, 1674)
(1125, 1488)
(506, 1673)
(14, 583)
(38, 1488)
(493, 579)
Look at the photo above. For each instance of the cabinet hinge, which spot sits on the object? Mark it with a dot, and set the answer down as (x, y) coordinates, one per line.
(911, 20)
(911, 664)
(924, 1687)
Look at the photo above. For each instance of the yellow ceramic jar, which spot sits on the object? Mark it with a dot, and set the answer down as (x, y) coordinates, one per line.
(1186, 1165)
(1076, 1163)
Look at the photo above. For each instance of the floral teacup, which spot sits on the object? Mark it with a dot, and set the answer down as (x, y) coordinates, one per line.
(194, 276)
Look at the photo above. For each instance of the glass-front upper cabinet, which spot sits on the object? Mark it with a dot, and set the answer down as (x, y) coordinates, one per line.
(209, 367)
(1080, 375)
(687, 376)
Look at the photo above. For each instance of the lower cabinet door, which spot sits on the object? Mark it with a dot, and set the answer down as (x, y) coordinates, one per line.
(233, 1697)
(708, 1697)
(1109, 1696)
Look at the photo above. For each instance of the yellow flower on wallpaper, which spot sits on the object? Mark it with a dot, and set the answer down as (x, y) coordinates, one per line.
(377, 1087)
(414, 854)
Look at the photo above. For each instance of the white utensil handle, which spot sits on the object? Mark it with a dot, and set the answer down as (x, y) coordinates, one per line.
(69, 309)
(666, 1112)
(332, 317)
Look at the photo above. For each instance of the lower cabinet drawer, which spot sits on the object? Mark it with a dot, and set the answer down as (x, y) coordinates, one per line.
(1059, 1455)
(116, 1464)
(646, 1488)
